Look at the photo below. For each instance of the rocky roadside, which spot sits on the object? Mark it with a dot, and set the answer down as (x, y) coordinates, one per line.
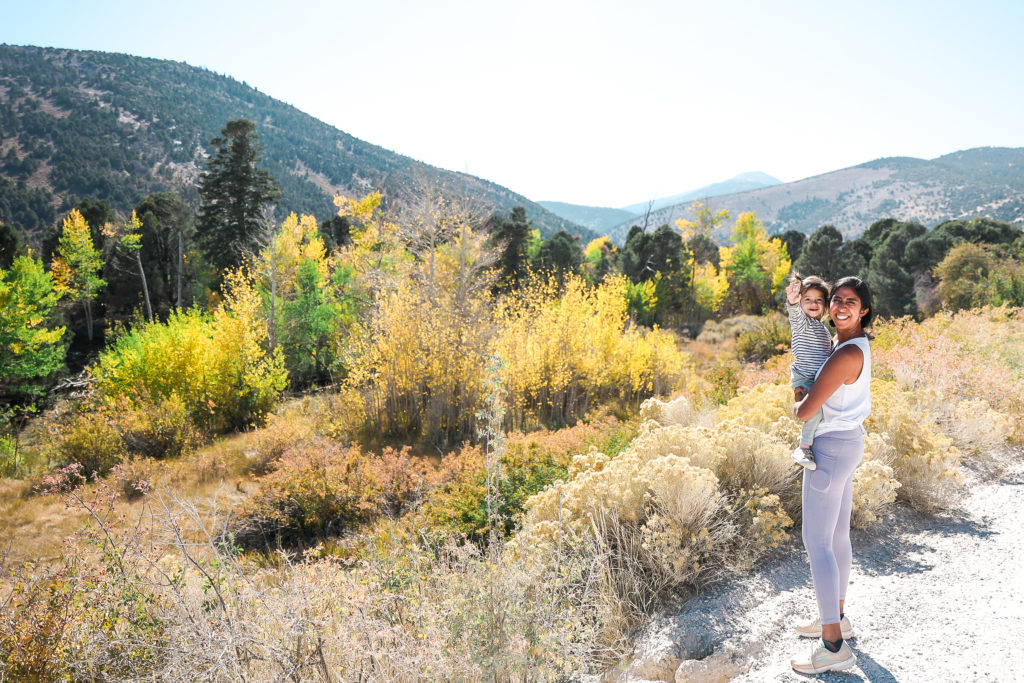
(931, 599)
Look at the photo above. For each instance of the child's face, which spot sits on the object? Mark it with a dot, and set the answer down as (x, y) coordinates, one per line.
(813, 303)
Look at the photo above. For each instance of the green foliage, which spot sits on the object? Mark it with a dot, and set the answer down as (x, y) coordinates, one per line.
(234, 192)
(822, 254)
(90, 437)
(889, 274)
(12, 244)
(724, 378)
(528, 464)
(561, 255)
(755, 265)
(794, 241)
(31, 348)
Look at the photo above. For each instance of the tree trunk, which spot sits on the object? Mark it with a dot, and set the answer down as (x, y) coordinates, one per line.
(181, 263)
(145, 287)
(87, 303)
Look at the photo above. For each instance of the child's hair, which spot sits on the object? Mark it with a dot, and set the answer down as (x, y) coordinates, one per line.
(811, 282)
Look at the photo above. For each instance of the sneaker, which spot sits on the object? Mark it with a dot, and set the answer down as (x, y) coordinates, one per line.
(799, 456)
(813, 629)
(824, 660)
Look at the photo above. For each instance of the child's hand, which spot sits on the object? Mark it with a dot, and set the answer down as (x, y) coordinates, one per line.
(793, 292)
(799, 394)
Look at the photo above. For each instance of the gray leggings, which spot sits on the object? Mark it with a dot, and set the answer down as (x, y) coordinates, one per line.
(827, 501)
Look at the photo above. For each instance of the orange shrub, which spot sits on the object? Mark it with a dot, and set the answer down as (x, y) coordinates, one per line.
(325, 489)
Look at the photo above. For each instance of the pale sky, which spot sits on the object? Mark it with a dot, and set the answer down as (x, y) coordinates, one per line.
(598, 103)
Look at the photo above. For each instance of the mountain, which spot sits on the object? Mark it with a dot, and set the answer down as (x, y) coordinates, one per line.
(77, 124)
(740, 183)
(985, 181)
(598, 219)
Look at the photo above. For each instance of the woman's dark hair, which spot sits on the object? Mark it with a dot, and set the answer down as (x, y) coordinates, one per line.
(863, 292)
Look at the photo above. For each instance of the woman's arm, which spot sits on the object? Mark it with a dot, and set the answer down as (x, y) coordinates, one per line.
(842, 367)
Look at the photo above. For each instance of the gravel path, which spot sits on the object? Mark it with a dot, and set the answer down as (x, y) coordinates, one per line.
(931, 599)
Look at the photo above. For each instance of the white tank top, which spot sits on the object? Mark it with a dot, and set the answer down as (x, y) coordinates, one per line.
(850, 404)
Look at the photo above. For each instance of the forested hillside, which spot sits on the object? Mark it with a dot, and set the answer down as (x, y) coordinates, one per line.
(116, 128)
(986, 182)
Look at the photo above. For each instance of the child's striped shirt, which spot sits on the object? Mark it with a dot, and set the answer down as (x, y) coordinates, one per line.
(812, 343)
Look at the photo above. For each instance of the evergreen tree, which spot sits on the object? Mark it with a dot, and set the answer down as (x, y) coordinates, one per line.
(889, 275)
(512, 238)
(234, 192)
(12, 244)
(559, 255)
(794, 241)
(821, 254)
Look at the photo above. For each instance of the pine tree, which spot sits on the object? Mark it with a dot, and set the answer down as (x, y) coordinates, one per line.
(511, 237)
(234, 193)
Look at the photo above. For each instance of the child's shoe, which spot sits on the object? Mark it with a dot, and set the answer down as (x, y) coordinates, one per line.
(803, 457)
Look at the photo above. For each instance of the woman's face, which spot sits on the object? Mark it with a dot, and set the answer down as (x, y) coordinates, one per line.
(845, 309)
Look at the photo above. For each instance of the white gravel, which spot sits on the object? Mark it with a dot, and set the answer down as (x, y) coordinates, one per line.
(931, 599)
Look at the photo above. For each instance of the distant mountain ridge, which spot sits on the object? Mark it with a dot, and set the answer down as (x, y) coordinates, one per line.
(597, 218)
(984, 181)
(77, 124)
(741, 183)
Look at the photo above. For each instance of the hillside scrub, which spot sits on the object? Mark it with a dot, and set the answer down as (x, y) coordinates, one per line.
(632, 516)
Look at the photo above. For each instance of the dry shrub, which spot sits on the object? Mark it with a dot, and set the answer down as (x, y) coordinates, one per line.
(977, 428)
(775, 370)
(973, 354)
(722, 381)
(656, 513)
(85, 616)
(183, 607)
(755, 460)
(874, 483)
(769, 407)
(926, 462)
(137, 476)
(90, 436)
(159, 428)
(279, 436)
(323, 489)
(763, 521)
(974, 426)
(718, 331)
(677, 411)
(528, 464)
(769, 338)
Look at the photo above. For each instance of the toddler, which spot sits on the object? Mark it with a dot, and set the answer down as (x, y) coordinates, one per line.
(812, 345)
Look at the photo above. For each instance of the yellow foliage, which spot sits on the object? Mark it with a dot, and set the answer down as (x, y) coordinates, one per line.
(216, 365)
(710, 286)
(926, 462)
(566, 351)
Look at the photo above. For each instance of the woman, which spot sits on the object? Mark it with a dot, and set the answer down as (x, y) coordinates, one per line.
(842, 391)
